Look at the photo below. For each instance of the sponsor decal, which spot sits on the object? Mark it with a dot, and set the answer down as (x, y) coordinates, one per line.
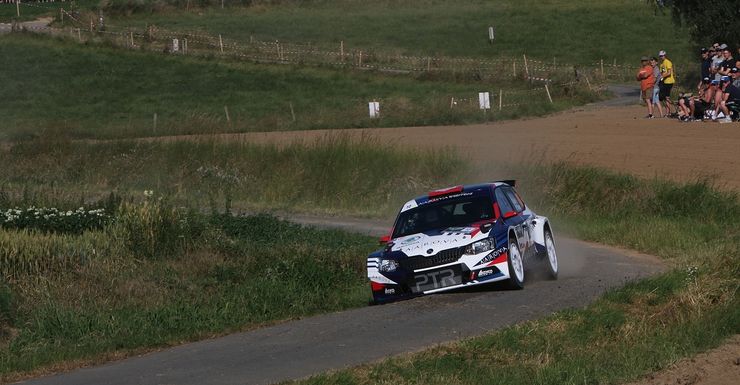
(460, 230)
(495, 254)
(435, 280)
(410, 240)
(390, 291)
(484, 273)
(429, 251)
(467, 194)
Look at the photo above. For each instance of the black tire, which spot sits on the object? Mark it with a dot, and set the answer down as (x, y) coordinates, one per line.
(516, 268)
(551, 256)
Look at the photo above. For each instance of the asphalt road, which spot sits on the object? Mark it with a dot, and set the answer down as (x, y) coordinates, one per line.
(332, 341)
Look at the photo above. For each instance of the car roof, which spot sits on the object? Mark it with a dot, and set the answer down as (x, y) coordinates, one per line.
(481, 189)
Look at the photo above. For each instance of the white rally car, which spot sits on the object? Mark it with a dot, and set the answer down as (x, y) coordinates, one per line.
(457, 237)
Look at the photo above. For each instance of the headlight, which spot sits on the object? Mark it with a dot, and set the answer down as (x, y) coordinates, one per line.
(481, 246)
(388, 266)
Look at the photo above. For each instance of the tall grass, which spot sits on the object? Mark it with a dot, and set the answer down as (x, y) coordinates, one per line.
(360, 175)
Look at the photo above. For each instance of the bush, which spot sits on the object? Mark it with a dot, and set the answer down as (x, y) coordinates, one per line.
(155, 228)
(54, 220)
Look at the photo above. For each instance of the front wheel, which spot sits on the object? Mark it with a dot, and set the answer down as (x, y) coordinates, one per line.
(552, 256)
(516, 266)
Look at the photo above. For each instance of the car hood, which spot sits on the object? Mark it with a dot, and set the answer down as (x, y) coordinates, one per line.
(432, 242)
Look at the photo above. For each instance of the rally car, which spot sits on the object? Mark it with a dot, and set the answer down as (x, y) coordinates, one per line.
(457, 237)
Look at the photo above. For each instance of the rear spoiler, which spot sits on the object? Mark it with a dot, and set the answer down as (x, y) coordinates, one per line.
(510, 182)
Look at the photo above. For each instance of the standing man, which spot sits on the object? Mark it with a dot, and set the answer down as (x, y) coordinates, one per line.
(647, 81)
(667, 78)
(656, 87)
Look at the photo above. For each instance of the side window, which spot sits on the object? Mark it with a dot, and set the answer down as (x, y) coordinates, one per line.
(503, 201)
(514, 198)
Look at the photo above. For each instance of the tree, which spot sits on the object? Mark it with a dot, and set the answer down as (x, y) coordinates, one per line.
(709, 21)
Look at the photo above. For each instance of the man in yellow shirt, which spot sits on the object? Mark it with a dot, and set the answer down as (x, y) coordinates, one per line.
(667, 78)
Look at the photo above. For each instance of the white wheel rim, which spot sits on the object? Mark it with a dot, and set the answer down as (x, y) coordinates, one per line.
(516, 263)
(551, 255)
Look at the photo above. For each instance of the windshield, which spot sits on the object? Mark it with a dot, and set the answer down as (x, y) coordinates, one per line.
(443, 214)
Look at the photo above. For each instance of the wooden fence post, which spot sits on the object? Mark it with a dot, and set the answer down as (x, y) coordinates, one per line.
(220, 40)
(548, 93)
(226, 111)
(602, 68)
(500, 98)
(18, 8)
(341, 50)
(526, 67)
(360, 61)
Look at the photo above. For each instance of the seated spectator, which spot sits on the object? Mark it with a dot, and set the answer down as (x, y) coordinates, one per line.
(726, 93)
(735, 75)
(686, 107)
(702, 102)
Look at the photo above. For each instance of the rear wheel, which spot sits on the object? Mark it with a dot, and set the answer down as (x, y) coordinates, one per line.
(516, 266)
(552, 256)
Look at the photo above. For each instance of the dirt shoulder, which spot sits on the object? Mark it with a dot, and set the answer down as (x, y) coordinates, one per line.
(616, 138)
(720, 366)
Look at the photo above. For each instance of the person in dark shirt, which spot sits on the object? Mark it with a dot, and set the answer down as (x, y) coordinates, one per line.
(725, 93)
(706, 64)
(727, 64)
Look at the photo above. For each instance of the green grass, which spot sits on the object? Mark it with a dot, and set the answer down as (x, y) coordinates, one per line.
(333, 174)
(98, 92)
(629, 332)
(247, 271)
(577, 32)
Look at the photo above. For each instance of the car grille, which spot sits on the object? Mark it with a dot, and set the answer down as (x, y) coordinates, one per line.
(441, 258)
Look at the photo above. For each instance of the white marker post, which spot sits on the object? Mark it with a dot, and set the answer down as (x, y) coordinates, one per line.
(374, 109)
(491, 35)
(484, 101)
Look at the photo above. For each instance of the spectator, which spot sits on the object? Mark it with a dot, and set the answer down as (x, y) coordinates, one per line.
(667, 78)
(686, 107)
(717, 59)
(647, 81)
(728, 63)
(735, 75)
(706, 65)
(656, 87)
(703, 100)
(725, 93)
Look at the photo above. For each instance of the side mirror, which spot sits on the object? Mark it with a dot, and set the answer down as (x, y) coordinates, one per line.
(385, 239)
(509, 214)
(486, 227)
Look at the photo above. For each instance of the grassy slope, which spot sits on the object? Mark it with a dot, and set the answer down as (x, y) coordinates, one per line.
(103, 92)
(578, 32)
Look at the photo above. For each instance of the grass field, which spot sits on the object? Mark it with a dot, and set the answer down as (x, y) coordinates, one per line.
(577, 32)
(99, 92)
